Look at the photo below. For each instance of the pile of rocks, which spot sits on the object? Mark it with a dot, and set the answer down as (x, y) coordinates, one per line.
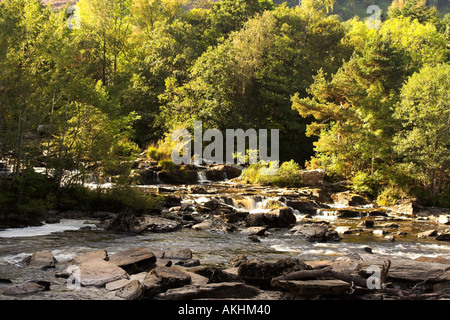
(174, 275)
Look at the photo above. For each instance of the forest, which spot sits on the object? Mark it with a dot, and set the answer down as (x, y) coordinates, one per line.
(88, 89)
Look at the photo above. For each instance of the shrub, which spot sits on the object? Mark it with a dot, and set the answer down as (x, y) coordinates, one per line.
(368, 184)
(167, 165)
(287, 175)
(390, 195)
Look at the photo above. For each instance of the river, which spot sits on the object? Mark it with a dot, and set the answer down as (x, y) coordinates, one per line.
(70, 238)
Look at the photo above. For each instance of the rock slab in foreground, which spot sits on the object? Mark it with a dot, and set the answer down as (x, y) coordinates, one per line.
(41, 260)
(161, 279)
(134, 260)
(98, 273)
(223, 290)
(313, 287)
(132, 291)
(27, 288)
(261, 273)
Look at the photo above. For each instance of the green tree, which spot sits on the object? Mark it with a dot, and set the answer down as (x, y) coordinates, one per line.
(353, 110)
(423, 142)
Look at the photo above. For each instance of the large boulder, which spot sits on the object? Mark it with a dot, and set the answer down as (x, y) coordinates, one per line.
(161, 279)
(41, 260)
(215, 275)
(161, 225)
(261, 273)
(97, 273)
(223, 290)
(178, 254)
(305, 206)
(134, 260)
(315, 233)
(130, 223)
(408, 207)
(131, 291)
(282, 217)
(312, 177)
(178, 177)
(99, 255)
(349, 199)
(27, 288)
(313, 287)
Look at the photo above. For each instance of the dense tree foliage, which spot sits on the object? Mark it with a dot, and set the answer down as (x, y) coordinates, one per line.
(85, 90)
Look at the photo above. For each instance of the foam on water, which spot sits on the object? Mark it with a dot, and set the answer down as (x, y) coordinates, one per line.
(43, 230)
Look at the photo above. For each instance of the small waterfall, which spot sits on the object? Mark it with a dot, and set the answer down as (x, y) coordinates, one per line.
(201, 177)
(156, 177)
(225, 177)
(252, 205)
(327, 214)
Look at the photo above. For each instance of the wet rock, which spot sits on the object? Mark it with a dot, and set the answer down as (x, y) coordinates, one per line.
(205, 225)
(426, 234)
(236, 261)
(305, 206)
(116, 285)
(178, 254)
(256, 231)
(415, 271)
(444, 219)
(188, 263)
(197, 190)
(161, 279)
(127, 222)
(178, 177)
(134, 260)
(230, 171)
(161, 225)
(27, 288)
(349, 213)
(349, 199)
(98, 273)
(312, 177)
(443, 237)
(433, 259)
(132, 291)
(139, 276)
(215, 275)
(259, 272)
(368, 249)
(380, 232)
(52, 221)
(254, 238)
(172, 201)
(315, 233)
(41, 260)
(224, 290)
(100, 255)
(313, 287)
(406, 207)
(233, 216)
(282, 217)
(343, 230)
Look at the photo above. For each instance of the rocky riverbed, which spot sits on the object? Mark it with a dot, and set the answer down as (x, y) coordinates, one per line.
(225, 240)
